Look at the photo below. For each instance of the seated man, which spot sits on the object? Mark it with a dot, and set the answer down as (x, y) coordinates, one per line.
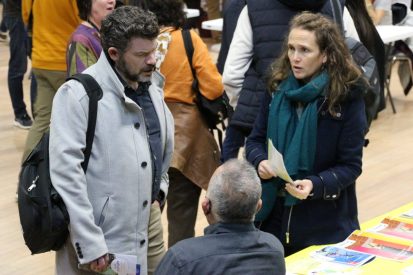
(231, 245)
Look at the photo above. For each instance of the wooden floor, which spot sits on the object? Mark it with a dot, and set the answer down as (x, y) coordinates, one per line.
(385, 184)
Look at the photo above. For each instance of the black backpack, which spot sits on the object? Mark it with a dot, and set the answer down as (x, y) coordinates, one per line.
(214, 112)
(43, 215)
(368, 65)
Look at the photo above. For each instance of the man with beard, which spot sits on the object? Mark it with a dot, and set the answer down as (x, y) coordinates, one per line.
(109, 206)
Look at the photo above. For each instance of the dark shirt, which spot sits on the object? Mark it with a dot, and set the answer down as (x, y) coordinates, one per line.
(142, 97)
(226, 249)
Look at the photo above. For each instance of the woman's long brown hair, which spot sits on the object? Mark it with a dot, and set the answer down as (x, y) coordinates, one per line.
(342, 71)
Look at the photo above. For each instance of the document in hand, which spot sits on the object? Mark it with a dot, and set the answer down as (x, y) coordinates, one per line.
(277, 163)
(120, 264)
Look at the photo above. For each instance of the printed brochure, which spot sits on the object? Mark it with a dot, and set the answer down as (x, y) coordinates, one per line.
(397, 227)
(341, 255)
(380, 245)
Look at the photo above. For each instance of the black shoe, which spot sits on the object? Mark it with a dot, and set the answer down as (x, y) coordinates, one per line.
(4, 37)
(24, 122)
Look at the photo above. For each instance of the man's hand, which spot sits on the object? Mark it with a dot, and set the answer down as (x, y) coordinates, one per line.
(100, 264)
(264, 170)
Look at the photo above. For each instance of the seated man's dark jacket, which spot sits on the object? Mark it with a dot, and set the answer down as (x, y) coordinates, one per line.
(226, 249)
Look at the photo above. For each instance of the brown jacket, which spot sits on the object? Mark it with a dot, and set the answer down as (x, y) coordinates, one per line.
(196, 153)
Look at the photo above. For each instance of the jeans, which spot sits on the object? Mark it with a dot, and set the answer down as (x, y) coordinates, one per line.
(19, 50)
(234, 140)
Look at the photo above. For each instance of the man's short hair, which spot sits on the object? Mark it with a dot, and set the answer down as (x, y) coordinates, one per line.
(125, 23)
(234, 192)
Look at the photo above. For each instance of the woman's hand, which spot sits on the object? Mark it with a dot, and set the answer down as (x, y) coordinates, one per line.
(301, 189)
(264, 170)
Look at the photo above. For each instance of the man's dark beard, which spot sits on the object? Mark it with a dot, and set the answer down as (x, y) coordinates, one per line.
(130, 76)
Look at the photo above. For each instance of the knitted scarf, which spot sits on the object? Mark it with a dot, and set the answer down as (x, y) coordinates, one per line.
(293, 136)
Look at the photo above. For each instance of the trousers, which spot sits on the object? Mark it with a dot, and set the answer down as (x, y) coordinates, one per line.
(48, 82)
(182, 207)
(20, 48)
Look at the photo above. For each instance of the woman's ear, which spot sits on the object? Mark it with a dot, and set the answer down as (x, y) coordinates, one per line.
(324, 58)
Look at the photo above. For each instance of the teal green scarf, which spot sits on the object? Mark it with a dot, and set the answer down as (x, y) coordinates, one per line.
(293, 136)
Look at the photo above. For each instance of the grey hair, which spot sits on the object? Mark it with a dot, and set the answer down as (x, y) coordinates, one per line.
(125, 23)
(234, 192)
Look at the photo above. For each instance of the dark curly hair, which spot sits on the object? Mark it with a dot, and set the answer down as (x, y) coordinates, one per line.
(125, 23)
(169, 12)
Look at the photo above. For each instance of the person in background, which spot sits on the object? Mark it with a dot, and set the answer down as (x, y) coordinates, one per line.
(109, 207)
(370, 38)
(231, 12)
(53, 23)
(3, 27)
(231, 244)
(314, 116)
(196, 154)
(84, 47)
(251, 52)
(214, 12)
(380, 11)
(19, 51)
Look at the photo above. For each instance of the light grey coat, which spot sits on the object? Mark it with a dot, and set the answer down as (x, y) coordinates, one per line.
(109, 207)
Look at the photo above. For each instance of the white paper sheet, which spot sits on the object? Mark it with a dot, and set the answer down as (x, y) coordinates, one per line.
(277, 163)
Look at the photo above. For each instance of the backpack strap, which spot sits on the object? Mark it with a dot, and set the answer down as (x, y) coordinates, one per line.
(95, 93)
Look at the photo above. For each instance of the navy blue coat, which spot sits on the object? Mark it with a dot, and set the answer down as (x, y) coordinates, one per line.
(330, 215)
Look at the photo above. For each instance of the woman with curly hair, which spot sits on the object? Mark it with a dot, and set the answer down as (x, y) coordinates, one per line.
(314, 116)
